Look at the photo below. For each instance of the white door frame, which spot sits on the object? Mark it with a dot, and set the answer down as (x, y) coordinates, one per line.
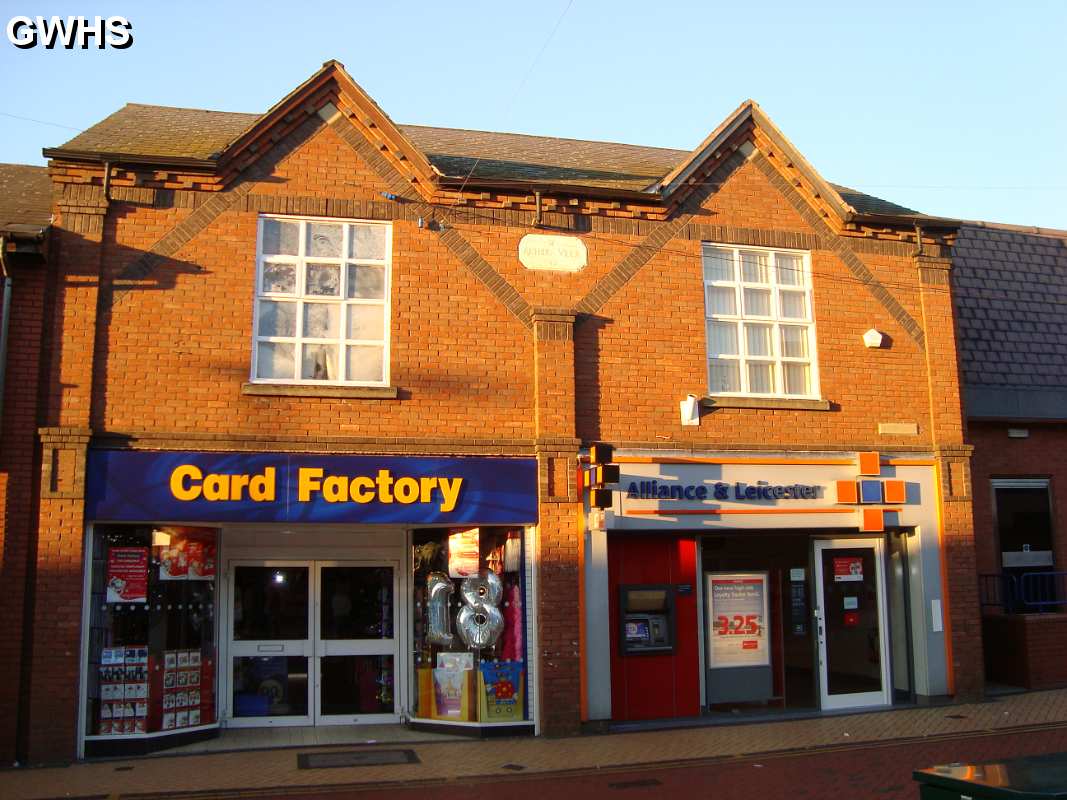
(356, 647)
(314, 647)
(858, 699)
(296, 647)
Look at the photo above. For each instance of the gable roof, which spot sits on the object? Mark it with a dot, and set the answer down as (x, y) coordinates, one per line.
(1010, 295)
(449, 157)
(25, 200)
(161, 132)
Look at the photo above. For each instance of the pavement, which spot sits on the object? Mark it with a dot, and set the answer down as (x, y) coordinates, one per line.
(276, 771)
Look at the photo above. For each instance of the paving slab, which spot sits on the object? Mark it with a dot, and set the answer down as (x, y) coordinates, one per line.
(253, 772)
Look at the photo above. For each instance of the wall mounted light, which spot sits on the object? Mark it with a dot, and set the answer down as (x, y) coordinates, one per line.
(874, 338)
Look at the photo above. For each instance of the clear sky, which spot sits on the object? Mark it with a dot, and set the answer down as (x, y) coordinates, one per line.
(956, 108)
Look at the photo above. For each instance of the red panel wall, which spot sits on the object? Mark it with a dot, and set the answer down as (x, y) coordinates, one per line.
(655, 686)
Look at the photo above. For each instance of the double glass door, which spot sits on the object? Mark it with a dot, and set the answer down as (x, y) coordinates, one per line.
(312, 642)
(851, 623)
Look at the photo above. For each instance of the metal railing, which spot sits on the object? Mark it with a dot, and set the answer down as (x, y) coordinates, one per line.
(1023, 592)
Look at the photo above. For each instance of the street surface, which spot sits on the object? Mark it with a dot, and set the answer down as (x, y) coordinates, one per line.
(879, 772)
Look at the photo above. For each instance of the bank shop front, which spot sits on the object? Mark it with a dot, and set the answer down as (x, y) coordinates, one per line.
(735, 583)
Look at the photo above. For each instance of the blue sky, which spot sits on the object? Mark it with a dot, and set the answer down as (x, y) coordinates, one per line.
(952, 108)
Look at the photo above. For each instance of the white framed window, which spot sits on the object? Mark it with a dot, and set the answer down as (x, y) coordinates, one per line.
(322, 301)
(759, 322)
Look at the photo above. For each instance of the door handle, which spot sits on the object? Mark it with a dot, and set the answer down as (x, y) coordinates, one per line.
(270, 648)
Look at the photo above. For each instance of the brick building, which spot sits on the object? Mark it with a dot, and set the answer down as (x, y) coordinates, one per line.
(25, 214)
(1010, 295)
(316, 393)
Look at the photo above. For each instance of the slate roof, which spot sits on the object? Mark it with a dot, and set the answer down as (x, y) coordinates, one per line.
(25, 199)
(1010, 289)
(144, 130)
(162, 132)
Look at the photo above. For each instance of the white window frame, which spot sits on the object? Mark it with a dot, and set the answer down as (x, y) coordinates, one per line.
(775, 320)
(301, 260)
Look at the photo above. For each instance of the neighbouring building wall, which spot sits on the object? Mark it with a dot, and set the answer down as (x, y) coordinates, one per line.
(1042, 454)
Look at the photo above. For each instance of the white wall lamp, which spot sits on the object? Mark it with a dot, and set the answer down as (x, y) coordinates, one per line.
(874, 338)
(690, 410)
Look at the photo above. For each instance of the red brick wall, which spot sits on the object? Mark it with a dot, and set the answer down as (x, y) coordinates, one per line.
(1030, 650)
(179, 346)
(18, 489)
(1042, 455)
(646, 348)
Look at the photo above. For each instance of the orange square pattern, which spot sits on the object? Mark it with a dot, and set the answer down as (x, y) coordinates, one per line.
(847, 492)
(870, 464)
(895, 492)
(873, 520)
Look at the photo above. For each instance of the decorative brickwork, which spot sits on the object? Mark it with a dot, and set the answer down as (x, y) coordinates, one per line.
(841, 247)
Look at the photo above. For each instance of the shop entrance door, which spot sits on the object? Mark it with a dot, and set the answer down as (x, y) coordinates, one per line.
(312, 642)
(851, 623)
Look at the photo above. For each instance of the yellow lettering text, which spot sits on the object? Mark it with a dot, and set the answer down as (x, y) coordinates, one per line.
(449, 493)
(178, 486)
(335, 489)
(308, 481)
(261, 487)
(426, 489)
(238, 483)
(362, 489)
(217, 487)
(406, 490)
(385, 480)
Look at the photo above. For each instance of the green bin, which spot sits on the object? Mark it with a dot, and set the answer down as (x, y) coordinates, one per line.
(1037, 777)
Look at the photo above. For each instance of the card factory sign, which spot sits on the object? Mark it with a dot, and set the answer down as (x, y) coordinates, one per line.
(559, 253)
(298, 487)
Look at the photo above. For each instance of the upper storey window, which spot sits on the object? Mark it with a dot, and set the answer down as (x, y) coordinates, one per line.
(322, 302)
(760, 328)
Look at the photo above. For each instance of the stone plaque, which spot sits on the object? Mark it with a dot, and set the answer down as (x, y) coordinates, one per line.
(557, 253)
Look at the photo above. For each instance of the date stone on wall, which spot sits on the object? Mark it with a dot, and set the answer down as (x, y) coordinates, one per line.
(556, 253)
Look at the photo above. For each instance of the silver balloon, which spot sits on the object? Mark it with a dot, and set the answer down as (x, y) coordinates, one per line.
(439, 589)
(480, 623)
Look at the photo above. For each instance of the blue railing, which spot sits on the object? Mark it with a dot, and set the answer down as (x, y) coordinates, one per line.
(1023, 592)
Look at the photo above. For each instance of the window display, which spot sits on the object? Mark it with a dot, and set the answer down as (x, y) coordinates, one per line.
(469, 625)
(151, 630)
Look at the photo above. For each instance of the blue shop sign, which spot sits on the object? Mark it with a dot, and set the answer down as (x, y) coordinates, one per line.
(302, 487)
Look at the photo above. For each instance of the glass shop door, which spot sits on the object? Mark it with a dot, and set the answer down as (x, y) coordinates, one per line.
(271, 650)
(356, 648)
(851, 623)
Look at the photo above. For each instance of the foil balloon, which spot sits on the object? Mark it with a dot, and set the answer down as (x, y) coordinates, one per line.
(439, 589)
(480, 623)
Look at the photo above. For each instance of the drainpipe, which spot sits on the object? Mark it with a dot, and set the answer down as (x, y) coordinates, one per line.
(5, 321)
(537, 217)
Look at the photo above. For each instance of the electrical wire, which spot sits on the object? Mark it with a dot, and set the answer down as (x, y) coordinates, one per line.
(39, 121)
(515, 96)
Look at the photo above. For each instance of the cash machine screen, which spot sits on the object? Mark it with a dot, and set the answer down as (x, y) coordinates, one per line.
(647, 619)
(637, 631)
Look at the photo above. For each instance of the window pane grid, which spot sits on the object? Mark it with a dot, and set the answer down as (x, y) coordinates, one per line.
(340, 314)
(765, 297)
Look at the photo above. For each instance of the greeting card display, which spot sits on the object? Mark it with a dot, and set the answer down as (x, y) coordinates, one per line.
(174, 562)
(501, 692)
(123, 690)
